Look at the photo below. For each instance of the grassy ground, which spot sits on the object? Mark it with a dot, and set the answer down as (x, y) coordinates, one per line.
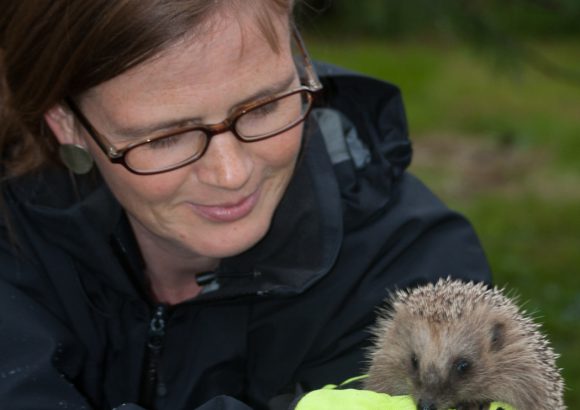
(503, 147)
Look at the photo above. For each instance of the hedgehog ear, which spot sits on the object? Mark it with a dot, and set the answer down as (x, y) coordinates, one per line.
(497, 336)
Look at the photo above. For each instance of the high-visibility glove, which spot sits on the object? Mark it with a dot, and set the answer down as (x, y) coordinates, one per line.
(352, 399)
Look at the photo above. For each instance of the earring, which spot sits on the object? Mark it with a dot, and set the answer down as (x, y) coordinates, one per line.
(76, 158)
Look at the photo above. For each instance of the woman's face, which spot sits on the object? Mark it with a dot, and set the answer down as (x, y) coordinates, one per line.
(222, 204)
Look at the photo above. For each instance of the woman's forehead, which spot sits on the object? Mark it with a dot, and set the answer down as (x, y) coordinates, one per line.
(227, 42)
(195, 76)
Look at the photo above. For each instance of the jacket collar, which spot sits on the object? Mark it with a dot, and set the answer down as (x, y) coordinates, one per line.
(306, 231)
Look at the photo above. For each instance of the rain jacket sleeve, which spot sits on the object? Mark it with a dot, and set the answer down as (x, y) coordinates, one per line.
(33, 339)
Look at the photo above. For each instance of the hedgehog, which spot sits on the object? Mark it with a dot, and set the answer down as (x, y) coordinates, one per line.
(462, 345)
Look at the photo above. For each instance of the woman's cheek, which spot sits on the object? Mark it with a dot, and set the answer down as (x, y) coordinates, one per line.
(281, 150)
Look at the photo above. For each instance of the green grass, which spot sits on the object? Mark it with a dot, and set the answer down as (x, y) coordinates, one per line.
(503, 147)
(446, 87)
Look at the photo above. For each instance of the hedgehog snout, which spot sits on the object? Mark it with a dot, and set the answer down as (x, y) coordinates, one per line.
(428, 384)
(426, 405)
(431, 379)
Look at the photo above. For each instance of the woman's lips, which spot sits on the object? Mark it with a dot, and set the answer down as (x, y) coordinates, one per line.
(229, 212)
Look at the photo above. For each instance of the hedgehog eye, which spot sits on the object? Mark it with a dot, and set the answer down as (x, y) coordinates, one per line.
(461, 366)
(414, 362)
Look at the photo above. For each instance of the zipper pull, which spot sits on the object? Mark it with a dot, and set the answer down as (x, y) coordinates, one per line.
(157, 330)
(152, 385)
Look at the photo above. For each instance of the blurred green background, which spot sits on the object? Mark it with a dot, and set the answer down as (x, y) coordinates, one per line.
(492, 91)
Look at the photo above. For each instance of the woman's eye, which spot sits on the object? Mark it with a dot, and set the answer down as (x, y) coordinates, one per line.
(264, 109)
(166, 142)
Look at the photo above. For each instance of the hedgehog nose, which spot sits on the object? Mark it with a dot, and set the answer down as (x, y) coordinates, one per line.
(426, 405)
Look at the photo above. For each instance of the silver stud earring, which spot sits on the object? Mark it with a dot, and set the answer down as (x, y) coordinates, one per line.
(76, 158)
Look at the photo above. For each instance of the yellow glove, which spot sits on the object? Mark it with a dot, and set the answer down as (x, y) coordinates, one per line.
(352, 399)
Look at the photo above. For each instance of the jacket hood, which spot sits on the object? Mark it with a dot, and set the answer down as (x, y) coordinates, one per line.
(379, 149)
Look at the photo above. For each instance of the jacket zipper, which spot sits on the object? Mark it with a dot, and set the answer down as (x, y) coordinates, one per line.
(152, 385)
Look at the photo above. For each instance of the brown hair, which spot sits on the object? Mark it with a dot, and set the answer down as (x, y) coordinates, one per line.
(50, 49)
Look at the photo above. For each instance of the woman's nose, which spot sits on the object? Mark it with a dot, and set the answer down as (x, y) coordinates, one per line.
(227, 163)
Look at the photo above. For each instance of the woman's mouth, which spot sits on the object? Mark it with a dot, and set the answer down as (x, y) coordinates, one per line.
(228, 212)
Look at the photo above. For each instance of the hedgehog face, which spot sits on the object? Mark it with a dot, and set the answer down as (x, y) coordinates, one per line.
(449, 363)
(441, 363)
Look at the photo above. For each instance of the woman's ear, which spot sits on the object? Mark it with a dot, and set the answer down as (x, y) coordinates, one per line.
(62, 123)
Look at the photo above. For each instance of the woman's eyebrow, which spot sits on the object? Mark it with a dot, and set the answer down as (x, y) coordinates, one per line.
(278, 87)
(176, 123)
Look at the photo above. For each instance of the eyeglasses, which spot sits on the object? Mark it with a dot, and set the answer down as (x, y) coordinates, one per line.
(254, 121)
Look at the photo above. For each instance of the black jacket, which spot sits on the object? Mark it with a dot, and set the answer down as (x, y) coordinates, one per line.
(77, 330)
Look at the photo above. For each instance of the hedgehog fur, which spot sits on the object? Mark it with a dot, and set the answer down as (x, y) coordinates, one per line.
(462, 345)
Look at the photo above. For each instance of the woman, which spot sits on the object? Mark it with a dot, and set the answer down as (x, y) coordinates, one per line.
(229, 243)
